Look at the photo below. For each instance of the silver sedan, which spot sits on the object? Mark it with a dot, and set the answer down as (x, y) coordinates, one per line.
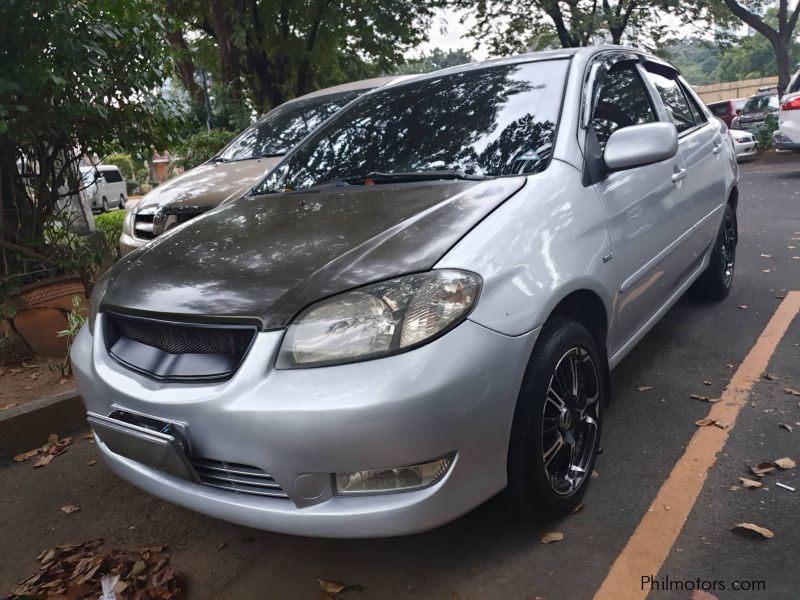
(419, 307)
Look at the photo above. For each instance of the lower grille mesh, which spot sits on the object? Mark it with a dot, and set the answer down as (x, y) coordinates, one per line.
(235, 477)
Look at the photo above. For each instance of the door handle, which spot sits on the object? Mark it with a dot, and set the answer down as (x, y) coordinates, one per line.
(717, 147)
(678, 175)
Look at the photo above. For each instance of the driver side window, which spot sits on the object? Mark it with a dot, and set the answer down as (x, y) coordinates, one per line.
(621, 102)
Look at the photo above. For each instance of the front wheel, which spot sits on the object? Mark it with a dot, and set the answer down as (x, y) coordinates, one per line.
(557, 423)
(716, 281)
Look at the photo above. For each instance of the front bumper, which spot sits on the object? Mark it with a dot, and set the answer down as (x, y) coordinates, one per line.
(456, 394)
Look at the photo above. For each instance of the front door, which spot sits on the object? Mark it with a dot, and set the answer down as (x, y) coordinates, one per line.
(645, 206)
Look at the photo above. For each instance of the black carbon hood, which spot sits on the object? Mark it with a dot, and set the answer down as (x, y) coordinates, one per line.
(263, 259)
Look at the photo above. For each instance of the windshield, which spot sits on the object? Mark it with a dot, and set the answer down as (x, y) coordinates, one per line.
(761, 103)
(497, 120)
(280, 129)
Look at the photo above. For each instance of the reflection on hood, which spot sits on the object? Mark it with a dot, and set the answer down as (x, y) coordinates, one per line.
(265, 258)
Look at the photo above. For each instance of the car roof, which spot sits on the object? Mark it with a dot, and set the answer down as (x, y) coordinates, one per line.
(363, 84)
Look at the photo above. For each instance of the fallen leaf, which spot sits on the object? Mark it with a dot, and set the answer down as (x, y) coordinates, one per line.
(222, 546)
(333, 588)
(595, 474)
(551, 537)
(705, 422)
(26, 455)
(706, 383)
(70, 508)
(765, 270)
(770, 376)
(791, 391)
(704, 398)
(786, 427)
(785, 463)
(91, 463)
(644, 388)
(8, 405)
(762, 469)
(743, 306)
(752, 530)
(43, 461)
(52, 439)
(578, 508)
(749, 483)
(766, 256)
(791, 247)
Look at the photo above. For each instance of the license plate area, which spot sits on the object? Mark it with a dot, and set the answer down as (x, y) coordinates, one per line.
(145, 440)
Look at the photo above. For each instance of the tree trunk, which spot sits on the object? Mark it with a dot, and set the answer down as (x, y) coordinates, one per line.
(230, 67)
(781, 48)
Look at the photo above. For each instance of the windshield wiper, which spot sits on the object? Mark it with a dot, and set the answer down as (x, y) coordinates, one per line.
(433, 175)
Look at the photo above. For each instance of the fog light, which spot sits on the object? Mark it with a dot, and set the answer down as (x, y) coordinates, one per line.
(399, 479)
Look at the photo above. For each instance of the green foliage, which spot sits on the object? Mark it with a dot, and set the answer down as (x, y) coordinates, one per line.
(123, 161)
(77, 76)
(110, 224)
(201, 146)
(437, 59)
(75, 320)
(764, 133)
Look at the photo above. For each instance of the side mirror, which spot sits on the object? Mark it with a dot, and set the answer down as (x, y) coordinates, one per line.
(641, 145)
(738, 111)
(97, 175)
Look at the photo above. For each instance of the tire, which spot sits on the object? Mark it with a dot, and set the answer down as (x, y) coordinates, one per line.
(105, 205)
(544, 481)
(715, 282)
(121, 201)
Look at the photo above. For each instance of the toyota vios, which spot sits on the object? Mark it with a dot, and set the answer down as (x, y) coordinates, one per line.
(420, 305)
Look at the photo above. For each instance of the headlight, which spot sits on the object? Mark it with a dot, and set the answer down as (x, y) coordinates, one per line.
(97, 297)
(380, 319)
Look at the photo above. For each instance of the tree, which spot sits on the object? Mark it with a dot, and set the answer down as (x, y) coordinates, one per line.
(75, 77)
(779, 32)
(536, 24)
(273, 50)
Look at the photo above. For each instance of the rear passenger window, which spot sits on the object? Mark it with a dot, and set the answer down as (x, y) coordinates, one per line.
(697, 112)
(621, 102)
(674, 101)
(112, 176)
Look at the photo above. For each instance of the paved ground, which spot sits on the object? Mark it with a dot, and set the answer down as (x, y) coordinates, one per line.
(489, 554)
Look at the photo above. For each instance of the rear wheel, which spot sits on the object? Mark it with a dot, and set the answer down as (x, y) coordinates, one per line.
(716, 281)
(557, 423)
(122, 200)
(105, 204)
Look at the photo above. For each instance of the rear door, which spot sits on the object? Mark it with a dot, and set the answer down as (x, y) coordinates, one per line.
(702, 144)
(645, 206)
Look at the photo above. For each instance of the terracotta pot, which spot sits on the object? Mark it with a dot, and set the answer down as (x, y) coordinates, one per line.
(44, 314)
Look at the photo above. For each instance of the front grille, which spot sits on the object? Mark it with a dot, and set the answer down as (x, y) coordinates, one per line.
(235, 477)
(176, 351)
(143, 226)
(184, 339)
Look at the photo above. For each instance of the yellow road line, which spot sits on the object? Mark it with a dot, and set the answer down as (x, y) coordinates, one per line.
(648, 547)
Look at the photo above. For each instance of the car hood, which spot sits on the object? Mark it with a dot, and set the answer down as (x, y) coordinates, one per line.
(263, 259)
(207, 185)
(754, 116)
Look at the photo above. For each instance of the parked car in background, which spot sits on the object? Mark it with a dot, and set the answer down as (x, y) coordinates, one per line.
(787, 137)
(103, 187)
(744, 144)
(755, 111)
(727, 109)
(420, 305)
(238, 166)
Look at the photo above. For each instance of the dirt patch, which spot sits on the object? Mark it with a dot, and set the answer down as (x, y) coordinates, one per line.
(31, 379)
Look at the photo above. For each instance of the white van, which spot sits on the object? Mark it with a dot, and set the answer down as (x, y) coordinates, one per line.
(103, 187)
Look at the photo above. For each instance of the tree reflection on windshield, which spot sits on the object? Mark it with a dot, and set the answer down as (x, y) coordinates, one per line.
(282, 128)
(497, 120)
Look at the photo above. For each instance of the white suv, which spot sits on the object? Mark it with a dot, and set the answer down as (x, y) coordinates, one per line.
(787, 137)
(104, 187)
